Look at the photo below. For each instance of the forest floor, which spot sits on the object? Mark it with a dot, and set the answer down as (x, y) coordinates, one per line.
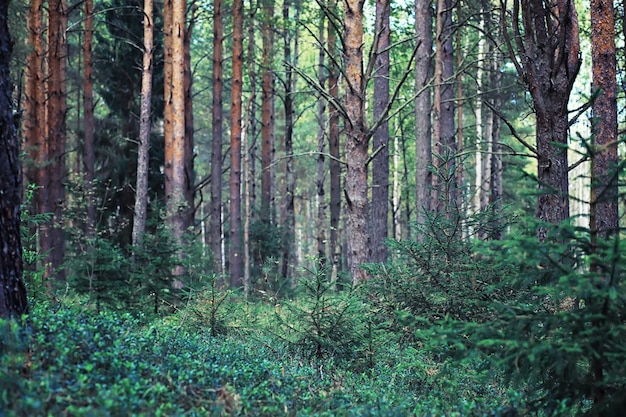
(73, 361)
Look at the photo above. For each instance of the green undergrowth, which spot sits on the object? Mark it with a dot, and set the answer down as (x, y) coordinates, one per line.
(69, 361)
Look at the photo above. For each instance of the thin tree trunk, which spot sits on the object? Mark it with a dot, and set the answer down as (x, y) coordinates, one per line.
(289, 223)
(88, 103)
(321, 145)
(334, 151)
(56, 117)
(445, 145)
(423, 109)
(190, 206)
(379, 218)
(216, 230)
(13, 303)
(141, 193)
(267, 111)
(235, 254)
(34, 126)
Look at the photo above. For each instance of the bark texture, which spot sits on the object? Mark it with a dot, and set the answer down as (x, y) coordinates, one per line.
(12, 291)
(57, 135)
(334, 150)
(357, 140)
(548, 47)
(236, 245)
(89, 126)
(604, 217)
(216, 142)
(379, 217)
(176, 180)
(423, 108)
(141, 193)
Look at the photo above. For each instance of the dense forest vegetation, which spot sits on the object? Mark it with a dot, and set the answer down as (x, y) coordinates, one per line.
(312, 208)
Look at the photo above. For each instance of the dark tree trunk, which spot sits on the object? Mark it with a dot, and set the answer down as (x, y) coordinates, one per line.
(216, 142)
(57, 111)
(334, 151)
(288, 219)
(445, 142)
(12, 291)
(89, 149)
(548, 48)
(379, 217)
(267, 113)
(321, 145)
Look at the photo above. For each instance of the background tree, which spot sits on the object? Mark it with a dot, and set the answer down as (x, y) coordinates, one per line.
(141, 193)
(379, 217)
(89, 154)
(604, 216)
(215, 216)
(13, 293)
(235, 253)
(545, 50)
(423, 108)
(54, 233)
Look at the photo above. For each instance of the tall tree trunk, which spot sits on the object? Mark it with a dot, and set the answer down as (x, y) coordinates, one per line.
(88, 103)
(605, 219)
(267, 113)
(56, 117)
(357, 140)
(176, 181)
(141, 193)
(548, 48)
(288, 220)
(190, 206)
(34, 125)
(379, 218)
(334, 150)
(217, 131)
(235, 254)
(445, 143)
(423, 109)
(321, 145)
(13, 301)
(603, 210)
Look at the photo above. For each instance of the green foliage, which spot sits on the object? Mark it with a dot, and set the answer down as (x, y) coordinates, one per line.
(559, 336)
(76, 362)
(322, 322)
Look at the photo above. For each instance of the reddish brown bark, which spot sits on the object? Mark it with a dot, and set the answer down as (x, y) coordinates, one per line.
(216, 142)
(236, 245)
(56, 117)
(267, 111)
(604, 216)
(176, 180)
(357, 140)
